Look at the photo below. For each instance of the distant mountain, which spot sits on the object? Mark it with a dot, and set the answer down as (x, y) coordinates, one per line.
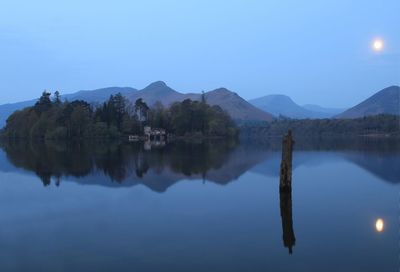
(386, 101)
(7, 109)
(237, 107)
(279, 104)
(99, 95)
(330, 111)
(159, 92)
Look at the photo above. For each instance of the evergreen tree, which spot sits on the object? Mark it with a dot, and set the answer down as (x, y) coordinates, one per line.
(57, 98)
(44, 103)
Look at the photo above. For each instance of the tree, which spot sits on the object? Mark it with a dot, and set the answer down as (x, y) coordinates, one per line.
(44, 103)
(119, 107)
(75, 116)
(79, 120)
(203, 98)
(141, 109)
(157, 116)
(57, 98)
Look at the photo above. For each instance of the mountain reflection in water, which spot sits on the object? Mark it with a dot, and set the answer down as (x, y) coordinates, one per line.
(245, 224)
(158, 168)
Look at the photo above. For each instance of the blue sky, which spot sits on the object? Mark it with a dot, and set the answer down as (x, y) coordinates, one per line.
(314, 51)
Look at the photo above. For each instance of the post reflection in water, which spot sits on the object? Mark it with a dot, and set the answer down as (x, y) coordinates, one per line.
(289, 239)
(194, 227)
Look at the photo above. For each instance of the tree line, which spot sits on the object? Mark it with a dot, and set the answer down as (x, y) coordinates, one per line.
(384, 124)
(52, 118)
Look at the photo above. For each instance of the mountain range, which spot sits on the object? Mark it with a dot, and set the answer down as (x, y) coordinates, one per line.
(282, 105)
(238, 108)
(260, 109)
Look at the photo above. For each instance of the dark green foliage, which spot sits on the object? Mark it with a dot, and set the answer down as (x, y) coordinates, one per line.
(199, 118)
(54, 119)
(57, 98)
(371, 125)
(43, 104)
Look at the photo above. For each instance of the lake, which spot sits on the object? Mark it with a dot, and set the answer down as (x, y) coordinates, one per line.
(199, 206)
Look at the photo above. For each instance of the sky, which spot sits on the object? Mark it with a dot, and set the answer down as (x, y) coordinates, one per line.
(317, 52)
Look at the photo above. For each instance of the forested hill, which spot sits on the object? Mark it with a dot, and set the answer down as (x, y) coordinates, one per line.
(52, 118)
(378, 125)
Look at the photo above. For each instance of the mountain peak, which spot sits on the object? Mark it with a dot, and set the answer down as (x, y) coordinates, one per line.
(238, 108)
(390, 89)
(157, 91)
(279, 98)
(222, 91)
(157, 84)
(157, 88)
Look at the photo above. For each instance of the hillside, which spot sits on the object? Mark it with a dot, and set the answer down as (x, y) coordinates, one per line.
(236, 106)
(386, 101)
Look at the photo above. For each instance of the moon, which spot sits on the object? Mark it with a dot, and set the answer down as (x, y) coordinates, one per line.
(379, 225)
(377, 45)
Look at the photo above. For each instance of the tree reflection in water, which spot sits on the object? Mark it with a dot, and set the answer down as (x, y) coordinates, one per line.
(117, 161)
(117, 164)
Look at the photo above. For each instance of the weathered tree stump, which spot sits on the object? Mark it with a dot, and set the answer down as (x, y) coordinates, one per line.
(285, 184)
(285, 192)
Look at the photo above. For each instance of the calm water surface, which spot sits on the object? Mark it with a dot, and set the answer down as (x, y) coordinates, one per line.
(211, 206)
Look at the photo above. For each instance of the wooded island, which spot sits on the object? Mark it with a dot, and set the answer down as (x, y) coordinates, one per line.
(52, 118)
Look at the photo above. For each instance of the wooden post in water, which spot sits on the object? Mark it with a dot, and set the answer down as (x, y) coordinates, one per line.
(285, 192)
(285, 184)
